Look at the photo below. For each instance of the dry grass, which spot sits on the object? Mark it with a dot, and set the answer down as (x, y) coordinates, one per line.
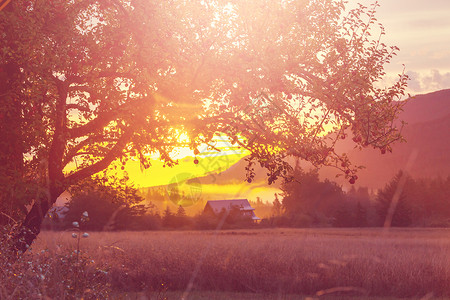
(281, 262)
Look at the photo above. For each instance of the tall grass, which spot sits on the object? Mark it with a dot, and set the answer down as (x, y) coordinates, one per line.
(40, 273)
(368, 262)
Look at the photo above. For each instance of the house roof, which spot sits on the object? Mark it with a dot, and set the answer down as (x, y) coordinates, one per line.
(218, 205)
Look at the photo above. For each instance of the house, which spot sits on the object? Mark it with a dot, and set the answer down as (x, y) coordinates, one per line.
(218, 206)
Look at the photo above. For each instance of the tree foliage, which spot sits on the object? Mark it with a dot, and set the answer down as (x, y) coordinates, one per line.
(111, 205)
(409, 201)
(277, 207)
(394, 201)
(92, 82)
(309, 197)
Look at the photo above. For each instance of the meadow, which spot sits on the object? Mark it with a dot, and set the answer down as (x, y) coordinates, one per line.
(246, 264)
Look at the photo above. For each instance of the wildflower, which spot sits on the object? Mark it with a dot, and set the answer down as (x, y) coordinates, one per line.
(85, 235)
(75, 224)
(74, 235)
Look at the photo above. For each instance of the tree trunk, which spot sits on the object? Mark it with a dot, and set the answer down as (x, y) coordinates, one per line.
(11, 143)
(31, 226)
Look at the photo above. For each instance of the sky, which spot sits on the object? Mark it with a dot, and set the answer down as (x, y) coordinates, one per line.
(421, 29)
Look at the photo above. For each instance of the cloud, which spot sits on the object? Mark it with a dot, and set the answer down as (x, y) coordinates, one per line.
(433, 81)
(414, 82)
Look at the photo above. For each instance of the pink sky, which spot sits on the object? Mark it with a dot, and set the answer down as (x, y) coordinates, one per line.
(421, 29)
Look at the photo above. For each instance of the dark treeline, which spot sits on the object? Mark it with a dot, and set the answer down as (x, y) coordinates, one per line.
(140, 217)
(306, 202)
(309, 202)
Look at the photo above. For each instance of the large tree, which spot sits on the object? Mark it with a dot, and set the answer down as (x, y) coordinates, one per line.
(90, 82)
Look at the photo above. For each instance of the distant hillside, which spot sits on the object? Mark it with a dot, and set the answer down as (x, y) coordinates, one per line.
(427, 134)
(428, 107)
(427, 146)
(426, 151)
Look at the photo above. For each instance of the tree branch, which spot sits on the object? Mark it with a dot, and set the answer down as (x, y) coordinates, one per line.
(102, 164)
(77, 106)
(98, 123)
(74, 150)
(103, 119)
(114, 74)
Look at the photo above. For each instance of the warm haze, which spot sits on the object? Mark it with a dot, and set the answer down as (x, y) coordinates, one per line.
(121, 121)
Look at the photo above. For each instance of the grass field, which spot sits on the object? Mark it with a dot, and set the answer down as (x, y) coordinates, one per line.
(265, 264)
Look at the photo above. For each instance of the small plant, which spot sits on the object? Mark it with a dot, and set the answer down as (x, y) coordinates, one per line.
(76, 234)
(79, 264)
